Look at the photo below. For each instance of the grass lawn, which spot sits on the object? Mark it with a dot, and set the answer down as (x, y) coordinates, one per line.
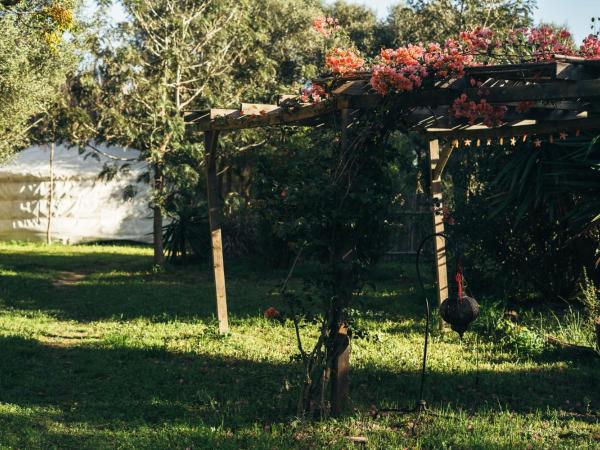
(98, 351)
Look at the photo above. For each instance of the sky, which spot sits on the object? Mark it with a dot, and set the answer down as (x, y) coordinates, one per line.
(574, 14)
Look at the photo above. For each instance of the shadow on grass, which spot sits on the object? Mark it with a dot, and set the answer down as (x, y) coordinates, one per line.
(54, 258)
(123, 286)
(113, 285)
(98, 385)
(127, 385)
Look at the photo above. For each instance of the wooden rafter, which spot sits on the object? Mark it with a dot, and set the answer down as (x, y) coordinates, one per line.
(267, 115)
(501, 93)
(525, 127)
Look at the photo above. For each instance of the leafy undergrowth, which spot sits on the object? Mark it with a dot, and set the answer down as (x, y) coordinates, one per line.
(97, 350)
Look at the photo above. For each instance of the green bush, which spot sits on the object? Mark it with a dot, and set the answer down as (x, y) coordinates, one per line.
(527, 218)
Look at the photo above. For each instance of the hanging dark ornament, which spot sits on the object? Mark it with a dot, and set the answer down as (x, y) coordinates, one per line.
(459, 312)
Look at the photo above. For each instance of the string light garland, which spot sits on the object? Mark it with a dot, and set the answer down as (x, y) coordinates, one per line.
(513, 140)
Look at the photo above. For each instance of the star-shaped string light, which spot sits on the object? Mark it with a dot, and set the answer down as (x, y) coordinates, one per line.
(537, 142)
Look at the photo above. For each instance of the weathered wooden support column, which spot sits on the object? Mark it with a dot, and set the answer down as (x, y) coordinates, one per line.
(340, 374)
(214, 217)
(435, 173)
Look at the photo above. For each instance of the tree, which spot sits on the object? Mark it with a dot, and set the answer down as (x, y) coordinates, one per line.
(177, 56)
(438, 20)
(171, 56)
(360, 23)
(34, 61)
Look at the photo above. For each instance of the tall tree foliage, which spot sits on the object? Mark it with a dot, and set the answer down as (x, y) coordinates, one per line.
(169, 57)
(174, 56)
(361, 25)
(438, 20)
(34, 61)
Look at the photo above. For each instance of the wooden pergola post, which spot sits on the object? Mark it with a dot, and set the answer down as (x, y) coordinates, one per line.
(340, 377)
(214, 217)
(436, 167)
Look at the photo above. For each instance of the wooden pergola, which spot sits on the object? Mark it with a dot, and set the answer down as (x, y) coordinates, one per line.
(564, 96)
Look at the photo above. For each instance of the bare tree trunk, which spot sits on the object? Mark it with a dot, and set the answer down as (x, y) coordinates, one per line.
(159, 256)
(51, 193)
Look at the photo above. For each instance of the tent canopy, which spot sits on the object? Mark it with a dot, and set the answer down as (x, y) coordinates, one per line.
(67, 200)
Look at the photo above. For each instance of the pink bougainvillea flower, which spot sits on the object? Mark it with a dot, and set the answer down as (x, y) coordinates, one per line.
(478, 40)
(483, 111)
(325, 26)
(590, 48)
(385, 78)
(343, 62)
(544, 42)
(313, 93)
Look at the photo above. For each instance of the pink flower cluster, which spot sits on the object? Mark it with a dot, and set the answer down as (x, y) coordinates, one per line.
(386, 78)
(544, 42)
(325, 26)
(489, 114)
(590, 48)
(343, 62)
(449, 61)
(478, 40)
(403, 69)
(403, 56)
(313, 93)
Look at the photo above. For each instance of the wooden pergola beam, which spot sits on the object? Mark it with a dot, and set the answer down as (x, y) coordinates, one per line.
(552, 90)
(567, 95)
(444, 157)
(267, 115)
(525, 127)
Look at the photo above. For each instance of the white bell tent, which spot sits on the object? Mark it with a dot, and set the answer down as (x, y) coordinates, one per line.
(53, 193)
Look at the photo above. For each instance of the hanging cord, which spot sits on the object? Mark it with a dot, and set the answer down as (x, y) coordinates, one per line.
(459, 278)
(476, 360)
